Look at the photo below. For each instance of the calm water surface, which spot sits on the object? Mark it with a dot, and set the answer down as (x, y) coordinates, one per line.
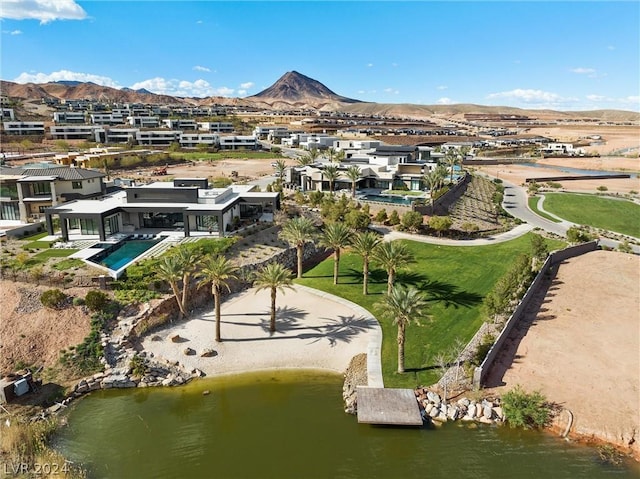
(291, 425)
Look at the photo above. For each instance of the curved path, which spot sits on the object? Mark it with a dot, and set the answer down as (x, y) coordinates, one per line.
(314, 330)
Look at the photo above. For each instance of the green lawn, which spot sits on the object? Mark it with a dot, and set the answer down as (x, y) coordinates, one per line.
(455, 279)
(621, 216)
(533, 206)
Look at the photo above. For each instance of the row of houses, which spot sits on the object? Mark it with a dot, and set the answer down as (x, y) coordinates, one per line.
(213, 134)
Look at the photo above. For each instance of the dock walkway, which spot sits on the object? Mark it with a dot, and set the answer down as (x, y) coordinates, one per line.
(388, 406)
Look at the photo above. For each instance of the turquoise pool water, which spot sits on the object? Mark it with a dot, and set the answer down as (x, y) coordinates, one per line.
(396, 200)
(123, 253)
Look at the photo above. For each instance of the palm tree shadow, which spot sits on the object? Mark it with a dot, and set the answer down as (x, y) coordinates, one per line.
(412, 278)
(341, 329)
(287, 318)
(450, 294)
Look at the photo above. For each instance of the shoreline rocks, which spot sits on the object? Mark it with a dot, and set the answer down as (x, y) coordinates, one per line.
(433, 408)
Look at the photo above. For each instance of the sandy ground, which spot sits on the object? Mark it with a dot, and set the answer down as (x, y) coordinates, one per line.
(247, 169)
(518, 173)
(581, 346)
(33, 334)
(614, 139)
(312, 332)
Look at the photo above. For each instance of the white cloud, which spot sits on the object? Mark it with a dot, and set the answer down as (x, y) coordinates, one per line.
(44, 10)
(444, 101)
(65, 75)
(442, 87)
(631, 101)
(199, 68)
(12, 32)
(246, 85)
(392, 91)
(242, 92)
(369, 65)
(611, 47)
(583, 71)
(532, 98)
(199, 22)
(199, 88)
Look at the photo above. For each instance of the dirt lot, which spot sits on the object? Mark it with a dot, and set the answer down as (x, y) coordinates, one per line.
(615, 140)
(32, 334)
(248, 169)
(579, 347)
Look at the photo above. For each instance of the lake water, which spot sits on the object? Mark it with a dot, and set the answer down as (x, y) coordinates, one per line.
(292, 425)
(578, 171)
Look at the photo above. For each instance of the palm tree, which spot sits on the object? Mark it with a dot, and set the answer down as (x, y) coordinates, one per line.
(188, 258)
(402, 306)
(336, 236)
(280, 167)
(392, 256)
(171, 271)
(314, 153)
(304, 160)
(273, 277)
(452, 157)
(353, 173)
(433, 180)
(218, 270)
(297, 231)
(331, 173)
(364, 244)
(331, 153)
(340, 155)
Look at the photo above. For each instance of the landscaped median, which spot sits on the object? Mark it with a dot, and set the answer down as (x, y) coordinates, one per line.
(455, 281)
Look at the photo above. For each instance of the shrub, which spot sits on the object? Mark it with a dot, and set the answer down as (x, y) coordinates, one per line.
(411, 221)
(53, 298)
(96, 300)
(528, 410)
(138, 366)
(381, 216)
(394, 218)
(78, 301)
(602, 188)
(577, 234)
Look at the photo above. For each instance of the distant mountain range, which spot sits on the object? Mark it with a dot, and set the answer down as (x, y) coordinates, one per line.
(292, 91)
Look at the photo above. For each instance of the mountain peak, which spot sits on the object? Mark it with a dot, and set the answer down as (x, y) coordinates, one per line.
(294, 87)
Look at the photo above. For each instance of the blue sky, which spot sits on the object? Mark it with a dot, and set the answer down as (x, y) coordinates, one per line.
(561, 55)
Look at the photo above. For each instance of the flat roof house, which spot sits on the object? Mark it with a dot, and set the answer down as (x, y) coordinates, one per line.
(188, 205)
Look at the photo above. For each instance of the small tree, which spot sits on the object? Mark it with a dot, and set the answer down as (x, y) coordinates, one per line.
(539, 252)
(577, 234)
(394, 218)
(365, 244)
(96, 300)
(381, 216)
(357, 220)
(392, 255)
(440, 223)
(411, 221)
(298, 231)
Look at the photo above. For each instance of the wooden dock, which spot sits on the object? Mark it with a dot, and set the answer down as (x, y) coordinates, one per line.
(388, 406)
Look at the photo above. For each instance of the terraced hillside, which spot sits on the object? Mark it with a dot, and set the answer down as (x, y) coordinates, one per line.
(476, 206)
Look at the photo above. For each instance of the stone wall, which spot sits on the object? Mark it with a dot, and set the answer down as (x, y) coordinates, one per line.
(553, 259)
(443, 203)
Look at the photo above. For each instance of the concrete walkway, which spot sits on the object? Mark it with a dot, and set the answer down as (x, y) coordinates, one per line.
(516, 232)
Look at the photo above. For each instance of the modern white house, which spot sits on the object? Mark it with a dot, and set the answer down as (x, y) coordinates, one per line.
(68, 117)
(21, 128)
(144, 121)
(188, 205)
(157, 137)
(75, 132)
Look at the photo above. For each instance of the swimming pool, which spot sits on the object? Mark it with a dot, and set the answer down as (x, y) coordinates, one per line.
(121, 254)
(396, 200)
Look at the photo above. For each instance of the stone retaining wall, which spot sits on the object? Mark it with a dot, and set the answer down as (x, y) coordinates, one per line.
(553, 259)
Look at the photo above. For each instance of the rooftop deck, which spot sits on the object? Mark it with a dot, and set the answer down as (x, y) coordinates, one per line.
(388, 406)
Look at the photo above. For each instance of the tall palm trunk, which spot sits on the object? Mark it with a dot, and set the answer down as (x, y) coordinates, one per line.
(390, 280)
(353, 189)
(401, 347)
(365, 276)
(185, 292)
(176, 293)
(216, 301)
(272, 325)
(300, 252)
(336, 265)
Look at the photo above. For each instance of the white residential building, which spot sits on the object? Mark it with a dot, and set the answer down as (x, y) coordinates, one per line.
(21, 128)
